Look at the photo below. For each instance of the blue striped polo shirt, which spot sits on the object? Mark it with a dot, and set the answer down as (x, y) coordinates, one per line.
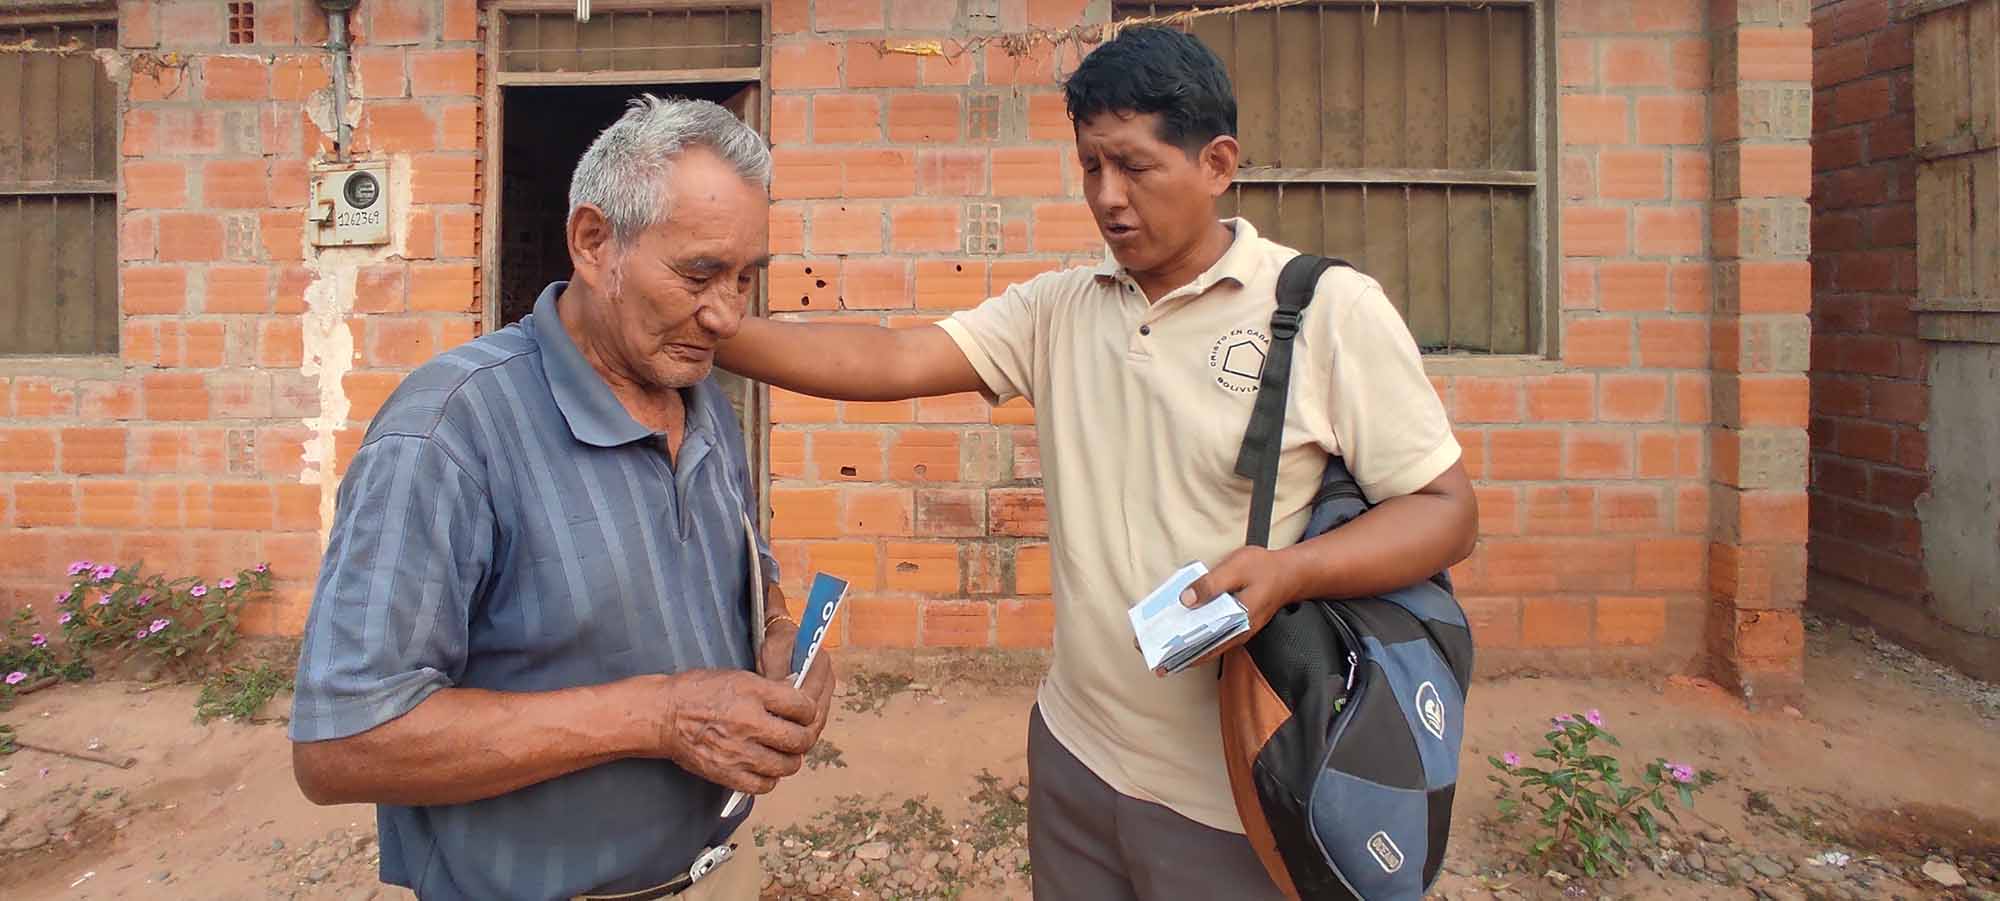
(506, 525)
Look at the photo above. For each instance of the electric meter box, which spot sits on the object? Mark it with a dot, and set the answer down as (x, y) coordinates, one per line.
(350, 204)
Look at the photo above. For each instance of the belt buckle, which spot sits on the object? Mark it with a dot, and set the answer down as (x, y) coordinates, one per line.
(708, 860)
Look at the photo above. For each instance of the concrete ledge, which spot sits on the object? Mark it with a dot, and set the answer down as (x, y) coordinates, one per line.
(1906, 624)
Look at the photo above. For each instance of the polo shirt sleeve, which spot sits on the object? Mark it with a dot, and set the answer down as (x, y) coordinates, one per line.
(999, 338)
(1388, 420)
(411, 547)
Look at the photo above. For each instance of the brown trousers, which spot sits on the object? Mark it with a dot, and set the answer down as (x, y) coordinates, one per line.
(1087, 842)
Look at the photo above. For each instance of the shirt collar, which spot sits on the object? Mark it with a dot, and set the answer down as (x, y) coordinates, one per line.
(594, 414)
(1237, 264)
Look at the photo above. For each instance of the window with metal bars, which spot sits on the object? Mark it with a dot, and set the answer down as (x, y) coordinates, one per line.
(58, 189)
(1403, 137)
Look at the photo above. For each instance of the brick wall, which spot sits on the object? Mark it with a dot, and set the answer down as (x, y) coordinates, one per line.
(1592, 469)
(1631, 498)
(249, 362)
(1869, 392)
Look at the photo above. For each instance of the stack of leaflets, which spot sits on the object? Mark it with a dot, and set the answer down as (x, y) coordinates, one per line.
(1171, 635)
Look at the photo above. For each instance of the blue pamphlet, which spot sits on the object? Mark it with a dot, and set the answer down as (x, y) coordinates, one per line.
(822, 602)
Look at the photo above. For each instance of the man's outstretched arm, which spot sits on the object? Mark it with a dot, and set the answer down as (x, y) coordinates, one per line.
(845, 361)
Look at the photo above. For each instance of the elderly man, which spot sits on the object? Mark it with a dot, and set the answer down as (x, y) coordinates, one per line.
(532, 638)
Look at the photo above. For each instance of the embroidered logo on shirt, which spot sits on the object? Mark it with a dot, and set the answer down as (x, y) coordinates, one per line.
(1237, 359)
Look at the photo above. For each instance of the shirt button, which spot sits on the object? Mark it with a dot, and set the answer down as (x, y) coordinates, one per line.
(1145, 330)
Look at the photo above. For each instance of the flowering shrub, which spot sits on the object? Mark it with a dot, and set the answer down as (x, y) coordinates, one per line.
(1584, 811)
(126, 609)
(27, 655)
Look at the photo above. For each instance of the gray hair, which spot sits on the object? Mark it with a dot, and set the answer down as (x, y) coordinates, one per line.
(624, 173)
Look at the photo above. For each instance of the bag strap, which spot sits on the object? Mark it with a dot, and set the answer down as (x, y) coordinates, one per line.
(1258, 458)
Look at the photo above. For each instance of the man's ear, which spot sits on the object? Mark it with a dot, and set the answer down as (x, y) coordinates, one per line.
(1218, 163)
(592, 247)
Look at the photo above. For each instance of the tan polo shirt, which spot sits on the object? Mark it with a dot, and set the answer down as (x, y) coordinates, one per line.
(1140, 411)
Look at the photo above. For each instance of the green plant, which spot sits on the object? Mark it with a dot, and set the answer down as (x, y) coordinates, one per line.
(27, 655)
(127, 609)
(238, 692)
(1584, 811)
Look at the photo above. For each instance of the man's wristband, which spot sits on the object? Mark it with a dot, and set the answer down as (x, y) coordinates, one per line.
(771, 620)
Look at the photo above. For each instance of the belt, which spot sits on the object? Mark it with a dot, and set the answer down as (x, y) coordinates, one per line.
(704, 863)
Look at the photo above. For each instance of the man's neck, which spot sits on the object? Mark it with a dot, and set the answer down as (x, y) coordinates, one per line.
(663, 411)
(1183, 268)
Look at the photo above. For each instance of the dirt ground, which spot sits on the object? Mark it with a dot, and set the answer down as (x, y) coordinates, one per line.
(916, 791)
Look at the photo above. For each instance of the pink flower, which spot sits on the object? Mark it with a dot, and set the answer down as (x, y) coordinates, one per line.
(261, 567)
(1562, 721)
(1511, 758)
(16, 677)
(103, 600)
(142, 633)
(64, 598)
(105, 572)
(226, 583)
(64, 619)
(143, 600)
(198, 591)
(1593, 717)
(161, 624)
(79, 567)
(1680, 772)
(38, 640)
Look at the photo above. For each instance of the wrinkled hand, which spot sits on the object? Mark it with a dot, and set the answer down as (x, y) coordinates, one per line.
(1261, 579)
(774, 661)
(734, 728)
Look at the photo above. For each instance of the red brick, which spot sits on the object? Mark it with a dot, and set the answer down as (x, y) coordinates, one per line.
(1577, 63)
(1772, 517)
(1595, 232)
(847, 118)
(282, 235)
(919, 118)
(1688, 58)
(115, 504)
(382, 288)
(1488, 400)
(922, 227)
(1598, 343)
(444, 73)
(1010, 66)
(951, 172)
(879, 173)
(1595, 119)
(1555, 622)
(1691, 288)
(153, 290)
(1631, 621)
(1673, 119)
(1632, 174)
(846, 15)
(847, 456)
(858, 562)
(444, 287)
(243, 505)
(1065, 227)
(950, 284)
(1673, 343)
(151, 184)
(926, 568)
(805, 173)
(882, 622)
(1027, 172)
(382, 72)
(1560, 510)
(27, 450)
(396, 126)
(401, 23)
(788, 119)
(1776, 170)
(104, 401)
(235, 184)
(1633, 398)
(1775, 286)
(846, 228)
(945, 70)
(876, 511)
(1025, 624)
(870, 66)
(1635, 62)
(1525, 455)
(1561, 398)
(1048, 118)
(44, 504)
(1031, 569)
(398, 342)
(805, 513)
(175, 396)
(190, 237)
(804, 66)
(787, 407)
(443, 178)
(1774, 54)
(1596, 454)
(459, 124)
(461, 20)
(1692, 175)
(1779, 400)
(1632, 287)
(966, 407)
(234, 78)
(924, 455)
(875, 285)
(93, 451)
(1673, 231)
